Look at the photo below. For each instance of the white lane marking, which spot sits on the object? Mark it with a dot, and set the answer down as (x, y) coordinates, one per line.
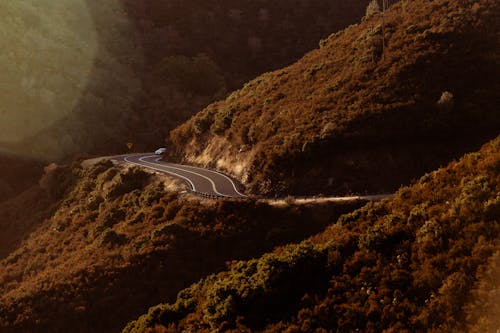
(161, 170)
(194, 173)
(214, 172)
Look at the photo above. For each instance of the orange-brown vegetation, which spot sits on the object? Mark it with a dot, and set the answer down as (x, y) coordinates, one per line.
(94, 248)
(193, 58)
(353, 116)
(379, 103)
(406, 264)
(483, 312)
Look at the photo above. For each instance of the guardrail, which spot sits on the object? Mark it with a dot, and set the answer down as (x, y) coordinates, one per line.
(209, 196)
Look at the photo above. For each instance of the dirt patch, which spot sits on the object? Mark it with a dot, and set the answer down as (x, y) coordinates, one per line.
(318, 200)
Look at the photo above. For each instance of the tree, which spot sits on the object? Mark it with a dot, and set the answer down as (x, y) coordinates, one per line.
(385, 4)
(372, 8)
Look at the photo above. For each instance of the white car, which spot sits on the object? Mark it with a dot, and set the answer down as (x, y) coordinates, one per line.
(160, 151)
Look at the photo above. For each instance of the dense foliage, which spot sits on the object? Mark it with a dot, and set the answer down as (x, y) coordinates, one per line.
(244, 37)
(107, 73)
(406, 264)
(378, 104)
(89, 249)
(94, 247)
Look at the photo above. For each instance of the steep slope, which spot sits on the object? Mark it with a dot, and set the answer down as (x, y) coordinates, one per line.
(17, 174)
(21, 215)
(91, 76)
(355, 115)
(94, 248)
(483, 312)
(243, 37)
(406, 264)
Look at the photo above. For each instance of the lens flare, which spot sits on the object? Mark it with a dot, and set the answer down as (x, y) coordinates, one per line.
(47, 52)
(50, 52)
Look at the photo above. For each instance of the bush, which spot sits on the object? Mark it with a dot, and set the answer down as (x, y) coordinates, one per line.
(258, 287)
(446, 102)
(223, 119)
(372, 8)
(137, 218)
(198, 74)
(153, 193)
(134, 178)
(403, 264)
(109, 218)
(111, 238)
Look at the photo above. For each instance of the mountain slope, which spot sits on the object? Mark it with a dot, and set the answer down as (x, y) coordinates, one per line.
(406, 264)
(93, 248)
(352, 116)
(17, 174)
(91, 76)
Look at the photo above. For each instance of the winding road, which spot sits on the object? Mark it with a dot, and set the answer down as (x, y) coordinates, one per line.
(212, 184)
(201, 181)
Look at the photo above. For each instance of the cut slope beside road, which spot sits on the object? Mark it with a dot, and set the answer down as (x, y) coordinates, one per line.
(214, 184)
(202, 181)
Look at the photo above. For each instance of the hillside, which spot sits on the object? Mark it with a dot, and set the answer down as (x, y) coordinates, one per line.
(63, 67)
(353, 116)
(243, 37)
(90, 76)
(17, 174)
(406, 264)
(91, 249)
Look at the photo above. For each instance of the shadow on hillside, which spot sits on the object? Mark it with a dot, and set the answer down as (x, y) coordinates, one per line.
(113, 91)
(242, 39)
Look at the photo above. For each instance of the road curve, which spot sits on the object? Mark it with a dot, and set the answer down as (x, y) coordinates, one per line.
(202, 181)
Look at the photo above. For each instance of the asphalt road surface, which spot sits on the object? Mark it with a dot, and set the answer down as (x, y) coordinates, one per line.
(202, 181)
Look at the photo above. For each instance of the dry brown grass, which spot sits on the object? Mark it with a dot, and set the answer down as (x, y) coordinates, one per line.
(483, 312)
(154, 63)
(406, 264)
(348, 118)
(100, 245)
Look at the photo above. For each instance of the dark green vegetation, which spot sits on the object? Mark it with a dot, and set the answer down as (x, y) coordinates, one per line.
(93, 248)
(243, 37)
(406, 264)
(354, 117)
